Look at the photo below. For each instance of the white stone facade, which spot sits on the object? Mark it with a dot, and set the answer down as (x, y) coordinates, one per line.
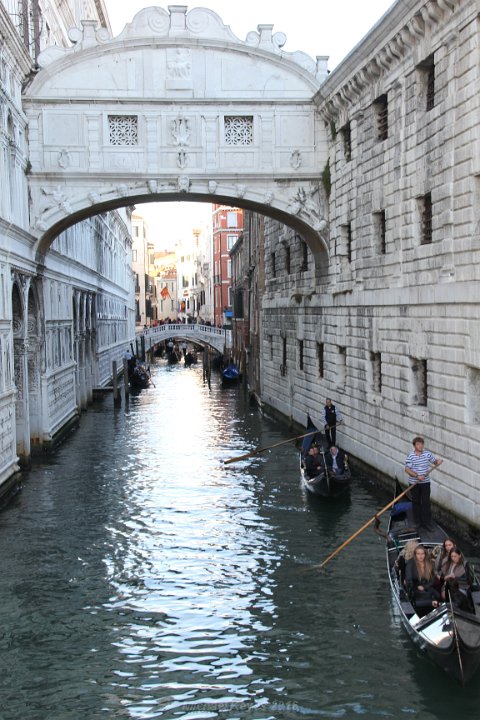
(388, 326)
(63, 320)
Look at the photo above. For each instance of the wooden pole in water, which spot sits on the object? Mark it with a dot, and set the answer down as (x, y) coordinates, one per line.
(117, 398)
(126, 385)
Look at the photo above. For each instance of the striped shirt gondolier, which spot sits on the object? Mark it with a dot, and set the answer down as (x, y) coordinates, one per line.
(420, 464)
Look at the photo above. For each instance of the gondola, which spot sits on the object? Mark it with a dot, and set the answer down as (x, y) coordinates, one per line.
(450, 636)
(139, 377)
(231, 374)
(326, 483)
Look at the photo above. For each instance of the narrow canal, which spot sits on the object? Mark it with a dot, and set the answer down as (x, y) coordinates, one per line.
(143, 579)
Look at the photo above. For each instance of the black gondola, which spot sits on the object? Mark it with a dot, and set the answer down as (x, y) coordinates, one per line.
(139, 376)
(450, 636)
(327, 483)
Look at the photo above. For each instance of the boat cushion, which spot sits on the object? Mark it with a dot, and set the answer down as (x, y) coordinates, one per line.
(400, 508)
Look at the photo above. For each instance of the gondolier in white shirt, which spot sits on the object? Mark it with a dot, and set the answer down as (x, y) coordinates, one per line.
(418, 466)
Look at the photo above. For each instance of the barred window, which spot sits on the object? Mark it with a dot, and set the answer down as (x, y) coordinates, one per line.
(426, 218)
(381, 115)
(238, 130)
(123, 129)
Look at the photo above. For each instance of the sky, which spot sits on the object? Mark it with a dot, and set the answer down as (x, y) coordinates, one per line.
(316, 27)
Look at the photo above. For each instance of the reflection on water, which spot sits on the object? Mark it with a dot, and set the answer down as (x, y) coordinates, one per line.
(144, 579)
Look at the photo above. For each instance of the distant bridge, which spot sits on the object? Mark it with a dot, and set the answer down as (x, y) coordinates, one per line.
(206, 335)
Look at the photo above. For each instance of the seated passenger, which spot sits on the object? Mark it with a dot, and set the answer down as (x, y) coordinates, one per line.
(441, 562)
(458, 573)
(335, 460)
(419, 580)
(313, 462)
(404, 556)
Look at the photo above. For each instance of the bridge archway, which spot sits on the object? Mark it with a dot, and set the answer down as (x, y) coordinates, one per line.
(181, 109)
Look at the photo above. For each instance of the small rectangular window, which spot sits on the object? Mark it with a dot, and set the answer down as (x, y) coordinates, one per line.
(426, 218)
(232, 221)
(300, 354)
(420, 387)
(346, 134)
(341, 366)
(274, 270)
(426, 71)
(380, 230)
(231, 240)
(270, 342)
(381, 117)
(346, 231)
(304, 265)
(284, 354)
(376, 360)
(321, 360)
(287, 260)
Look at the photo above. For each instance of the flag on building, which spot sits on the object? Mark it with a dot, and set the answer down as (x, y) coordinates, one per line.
(164, 293)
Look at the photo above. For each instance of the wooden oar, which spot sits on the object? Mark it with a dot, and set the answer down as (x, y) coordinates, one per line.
(364, 527)
(269, 447)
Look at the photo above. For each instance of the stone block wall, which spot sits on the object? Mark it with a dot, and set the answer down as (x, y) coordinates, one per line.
(395, 307)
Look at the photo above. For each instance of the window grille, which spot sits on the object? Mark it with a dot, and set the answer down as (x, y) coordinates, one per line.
(321, 359)
(381, 112)
(426, 209)
(300, 354)
(274, 270)
(123, 129)
(347, 240)
(287, 260)
(431, 86)
(238, 130)
(381, 231)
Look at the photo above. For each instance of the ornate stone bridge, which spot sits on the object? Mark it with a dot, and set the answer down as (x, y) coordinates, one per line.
(205, 335)
(176, 108)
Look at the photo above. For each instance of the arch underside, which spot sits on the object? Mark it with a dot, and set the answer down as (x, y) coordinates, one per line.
(316, 241)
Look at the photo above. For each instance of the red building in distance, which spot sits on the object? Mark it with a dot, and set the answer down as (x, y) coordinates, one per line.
(227, 224)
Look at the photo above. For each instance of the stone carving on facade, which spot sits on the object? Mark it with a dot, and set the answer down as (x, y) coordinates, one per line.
(305, 202)
(64, 159)
(180, 130)
(182, 159)
(59, 200)
(241, 190)
(94, 198)
(212, 186)
(183, 184)
(268, 199)
(296, 159)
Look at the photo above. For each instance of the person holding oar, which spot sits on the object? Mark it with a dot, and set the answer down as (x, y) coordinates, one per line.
(331, 417)
(417, 467)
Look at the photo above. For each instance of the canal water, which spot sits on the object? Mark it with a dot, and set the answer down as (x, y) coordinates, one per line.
(141, 578)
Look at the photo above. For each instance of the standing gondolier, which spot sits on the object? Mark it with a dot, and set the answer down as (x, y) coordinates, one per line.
(418, 466)
(331, 417)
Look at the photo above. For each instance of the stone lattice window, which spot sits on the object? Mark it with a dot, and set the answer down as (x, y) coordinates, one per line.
(239, 130)
(123, 129)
